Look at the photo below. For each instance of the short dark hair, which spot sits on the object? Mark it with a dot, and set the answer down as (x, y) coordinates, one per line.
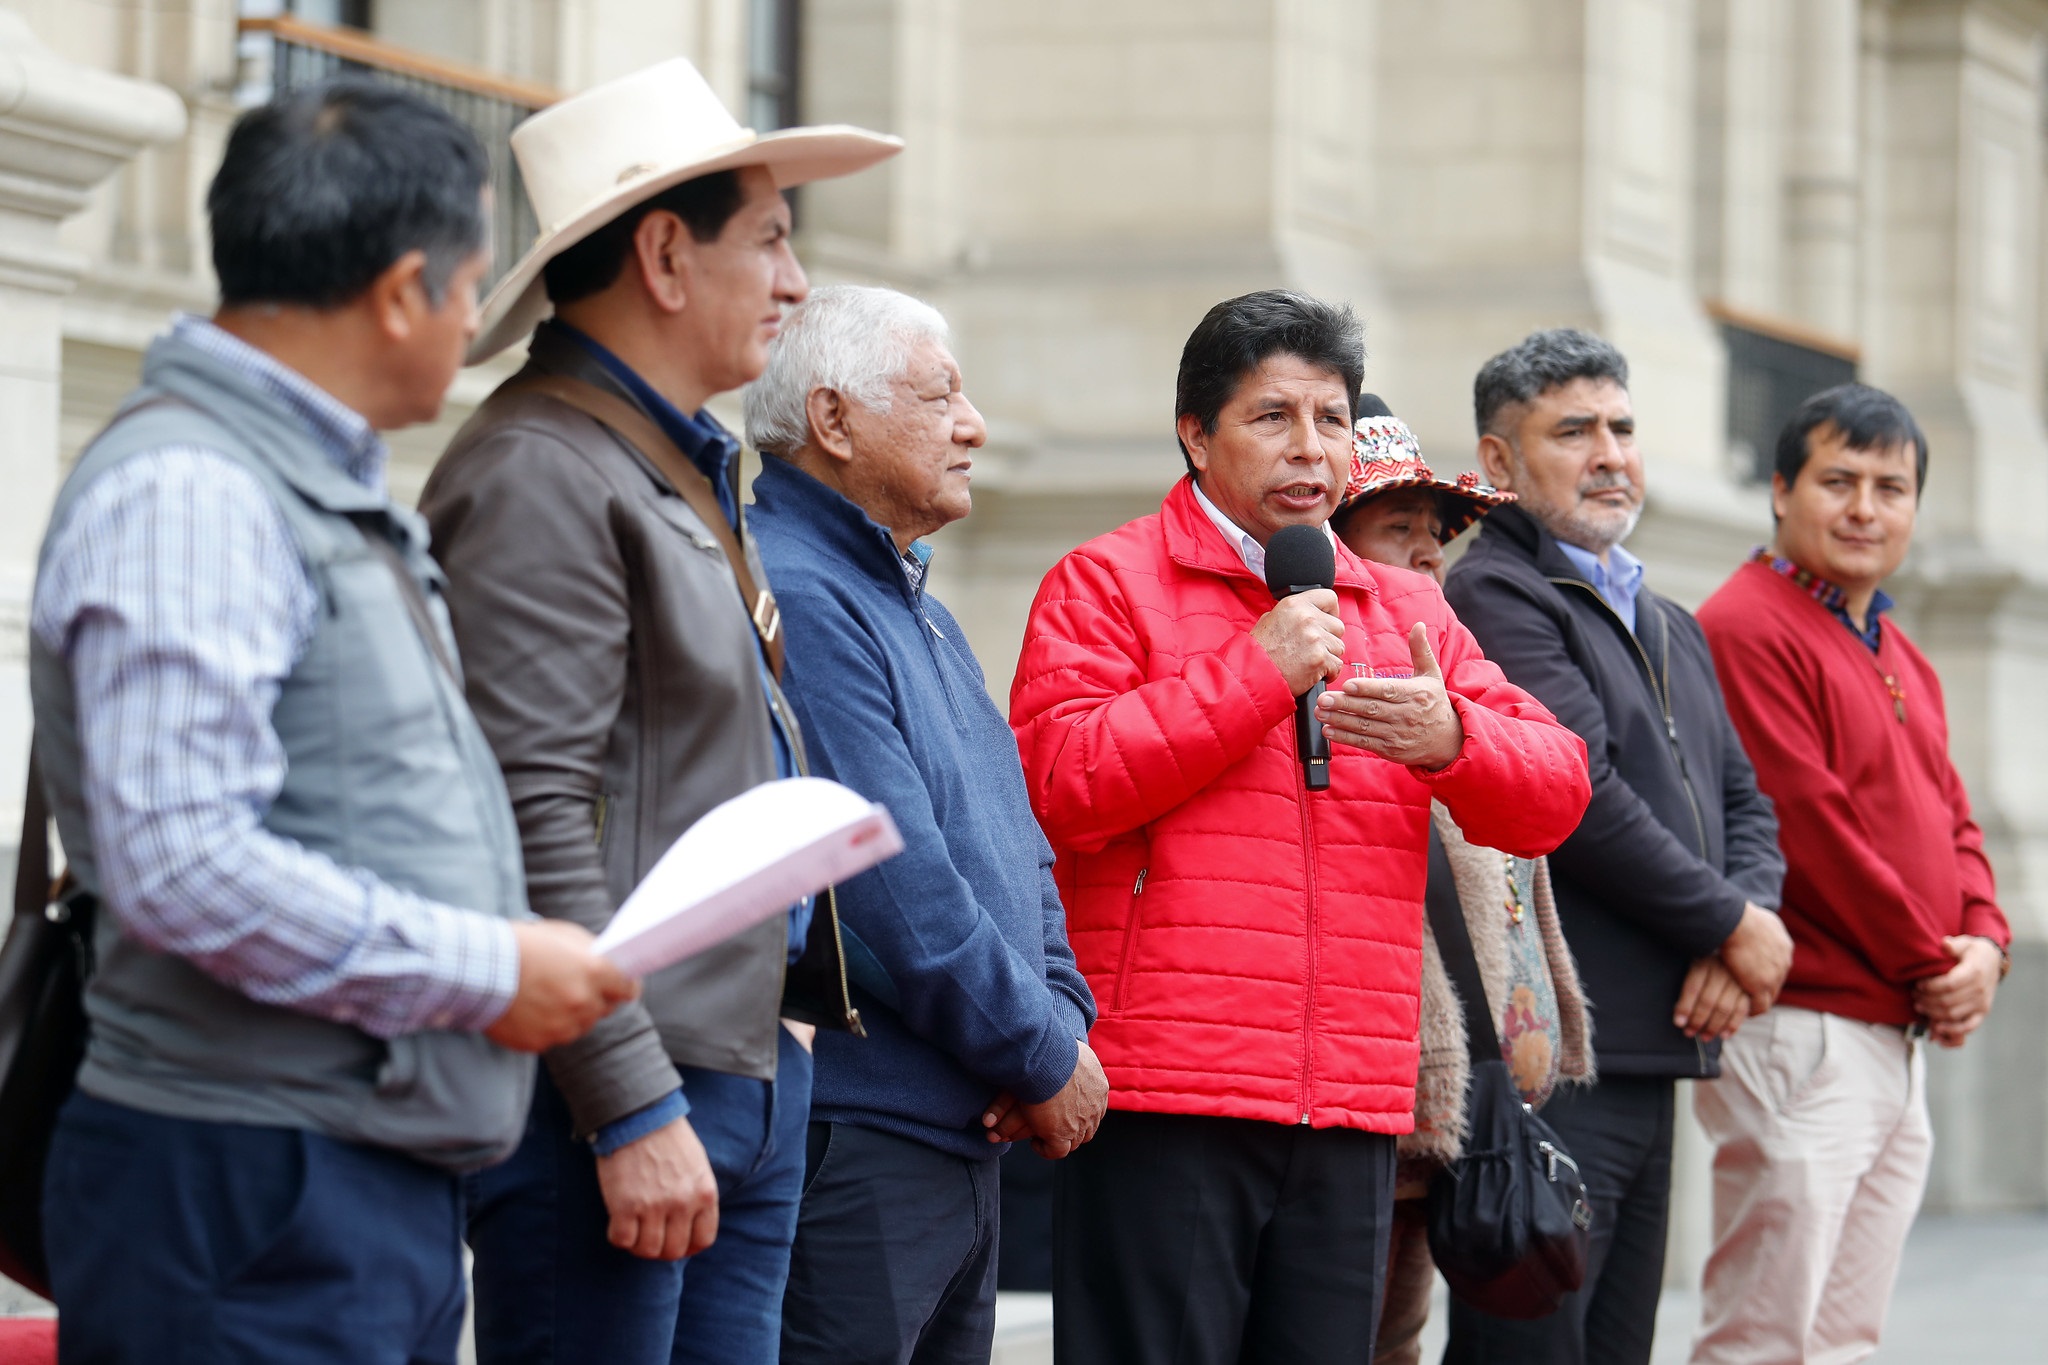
(1238, 335)
(1867, 418)
(322, 189)
(705, 203)
(1538, 363)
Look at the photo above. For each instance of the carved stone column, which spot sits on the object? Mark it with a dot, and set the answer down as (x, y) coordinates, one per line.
(1953, 171)
(63, 130)
(1822, 186)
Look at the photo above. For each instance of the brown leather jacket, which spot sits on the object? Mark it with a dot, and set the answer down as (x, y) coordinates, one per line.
(612, 666)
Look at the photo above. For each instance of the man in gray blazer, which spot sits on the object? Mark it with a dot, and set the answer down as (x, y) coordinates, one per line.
(624, 656)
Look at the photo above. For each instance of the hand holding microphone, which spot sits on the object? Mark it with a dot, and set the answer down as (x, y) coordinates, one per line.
(1303, 635)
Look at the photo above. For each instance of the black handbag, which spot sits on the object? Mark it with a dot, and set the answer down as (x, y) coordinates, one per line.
(1509, 1225)
(44, 964)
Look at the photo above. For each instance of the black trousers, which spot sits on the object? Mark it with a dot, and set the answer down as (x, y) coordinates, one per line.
(1182, 1240)
(1619, 1131)
(895, 1255)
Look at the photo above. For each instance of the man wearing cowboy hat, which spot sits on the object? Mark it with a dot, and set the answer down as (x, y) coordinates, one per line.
(623, 657)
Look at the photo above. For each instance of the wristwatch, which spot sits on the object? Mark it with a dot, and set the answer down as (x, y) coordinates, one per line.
(2004, 956)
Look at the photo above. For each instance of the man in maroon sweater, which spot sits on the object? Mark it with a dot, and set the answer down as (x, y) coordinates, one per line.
(1820, 1115)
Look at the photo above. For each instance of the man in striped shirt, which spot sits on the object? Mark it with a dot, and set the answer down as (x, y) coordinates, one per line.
(316, 966)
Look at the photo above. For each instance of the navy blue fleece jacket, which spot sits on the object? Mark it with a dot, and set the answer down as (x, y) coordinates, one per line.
(958, 946)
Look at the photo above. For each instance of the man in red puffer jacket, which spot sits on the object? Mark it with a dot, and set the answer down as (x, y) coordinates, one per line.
(1255, 948)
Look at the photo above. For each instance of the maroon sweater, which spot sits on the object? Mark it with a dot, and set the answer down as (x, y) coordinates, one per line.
(1882, 857)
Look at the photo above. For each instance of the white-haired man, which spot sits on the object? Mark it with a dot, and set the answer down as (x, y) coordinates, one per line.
(976, 1013)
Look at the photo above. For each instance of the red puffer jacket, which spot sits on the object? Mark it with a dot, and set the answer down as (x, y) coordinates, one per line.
(1255, 948)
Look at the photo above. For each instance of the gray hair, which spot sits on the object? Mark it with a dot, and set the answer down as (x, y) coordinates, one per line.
(852, 339)
(1538, 363)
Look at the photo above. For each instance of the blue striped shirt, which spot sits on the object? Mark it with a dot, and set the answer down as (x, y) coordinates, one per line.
(176, 594)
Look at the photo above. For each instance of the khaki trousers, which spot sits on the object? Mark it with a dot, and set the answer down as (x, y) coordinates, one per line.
(1822, 1145)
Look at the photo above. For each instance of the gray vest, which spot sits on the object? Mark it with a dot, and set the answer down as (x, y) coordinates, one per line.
(387, 772)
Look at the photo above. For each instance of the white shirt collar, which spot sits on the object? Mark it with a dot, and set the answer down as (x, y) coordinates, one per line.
(1236, 537)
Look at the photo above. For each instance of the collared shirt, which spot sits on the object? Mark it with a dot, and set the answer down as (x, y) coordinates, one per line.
(1832, 596)
(176, 593)
(1618, 581)
(714, 451)
(1249, 550)
(917, 562)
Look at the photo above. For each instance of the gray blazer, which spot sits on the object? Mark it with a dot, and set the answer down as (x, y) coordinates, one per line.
(614, 671)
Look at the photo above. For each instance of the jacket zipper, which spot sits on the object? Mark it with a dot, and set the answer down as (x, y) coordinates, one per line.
(1699, 825)
(1123, 963)
(1308, 995)
(1661, 691)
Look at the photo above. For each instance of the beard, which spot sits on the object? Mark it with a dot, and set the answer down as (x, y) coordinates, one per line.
(1594, 528)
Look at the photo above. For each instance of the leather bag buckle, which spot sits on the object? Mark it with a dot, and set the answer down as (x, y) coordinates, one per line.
(767, 617)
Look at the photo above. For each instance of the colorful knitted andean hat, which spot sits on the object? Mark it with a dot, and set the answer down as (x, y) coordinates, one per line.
(1385, 456)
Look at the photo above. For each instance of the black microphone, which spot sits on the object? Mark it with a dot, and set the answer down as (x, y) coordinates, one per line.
(1299, 558)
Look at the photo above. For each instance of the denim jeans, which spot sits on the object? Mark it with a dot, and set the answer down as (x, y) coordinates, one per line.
(223, 1242)
(550, 1288)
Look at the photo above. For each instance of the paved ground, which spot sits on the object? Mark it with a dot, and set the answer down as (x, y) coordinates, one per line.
(1972, 1293)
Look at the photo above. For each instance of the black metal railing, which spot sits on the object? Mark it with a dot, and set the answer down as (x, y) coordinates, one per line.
(284, 54)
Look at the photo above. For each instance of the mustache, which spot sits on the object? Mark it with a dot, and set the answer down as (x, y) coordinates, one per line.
(1600, 483)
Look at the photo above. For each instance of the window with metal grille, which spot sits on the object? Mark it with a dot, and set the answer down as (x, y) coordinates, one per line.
(1772, 369)
(283, 51)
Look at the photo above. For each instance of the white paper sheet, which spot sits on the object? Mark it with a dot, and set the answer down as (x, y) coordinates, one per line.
(746, 861)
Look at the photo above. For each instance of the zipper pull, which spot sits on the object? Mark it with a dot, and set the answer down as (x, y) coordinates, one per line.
(1549, 1158)
(1671, 727)
(1139, 889)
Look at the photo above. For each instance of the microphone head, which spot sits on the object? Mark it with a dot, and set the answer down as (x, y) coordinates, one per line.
(1299, 558)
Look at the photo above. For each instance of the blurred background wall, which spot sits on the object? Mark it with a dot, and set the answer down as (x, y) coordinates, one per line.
(1753, 198)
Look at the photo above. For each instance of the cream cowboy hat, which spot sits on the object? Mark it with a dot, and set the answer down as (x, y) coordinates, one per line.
(591, 157)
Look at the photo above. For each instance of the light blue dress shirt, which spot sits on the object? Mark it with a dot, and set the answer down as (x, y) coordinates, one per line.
(1618, 581)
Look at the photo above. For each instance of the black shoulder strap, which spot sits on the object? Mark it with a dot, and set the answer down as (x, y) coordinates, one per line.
(1454, 945)
(32, 886)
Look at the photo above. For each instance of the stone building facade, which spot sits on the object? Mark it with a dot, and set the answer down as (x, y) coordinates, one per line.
(1743, 194)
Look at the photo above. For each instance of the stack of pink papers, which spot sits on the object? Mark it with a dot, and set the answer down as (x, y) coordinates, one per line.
(746, 861)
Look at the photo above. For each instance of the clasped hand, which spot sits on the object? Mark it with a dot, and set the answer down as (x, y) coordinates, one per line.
(1742, 979)
(1060, 1124)
(1955, 1003)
